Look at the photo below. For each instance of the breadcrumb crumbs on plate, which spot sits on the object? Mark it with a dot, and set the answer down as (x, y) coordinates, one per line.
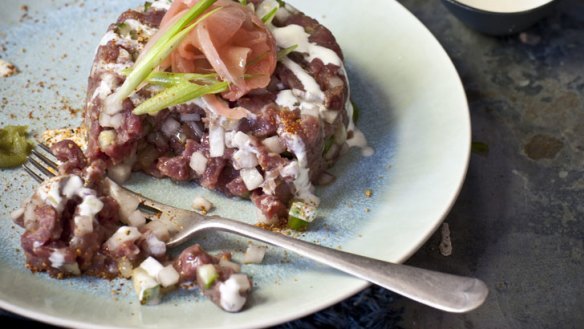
(77, 135)
(7, 69)
(368, 193)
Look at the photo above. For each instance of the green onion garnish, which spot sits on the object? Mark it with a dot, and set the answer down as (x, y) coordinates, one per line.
(267, 19)
(328, 143)
(286, 51)
(169, 79)
(147, 5)
(297, 224)
(163, 47)
(300, 215)
(178, 94)
(356, 111)
(243, 2)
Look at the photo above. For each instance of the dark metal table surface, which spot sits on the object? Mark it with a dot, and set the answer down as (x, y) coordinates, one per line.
(519, 221)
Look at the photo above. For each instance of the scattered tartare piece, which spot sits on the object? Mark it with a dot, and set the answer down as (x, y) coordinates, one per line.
(254, 254)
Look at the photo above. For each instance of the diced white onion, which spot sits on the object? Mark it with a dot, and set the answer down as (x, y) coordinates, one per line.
(128, 203)
(170, 127)
(110, 121)
(202, 205)
(244, 160)
(229, 139)
(151, 266)
(122, 235)
(241, 140)
(90, 206)
(72, 268)
(216, 141)
(198, 163)
(274, 144)
(120, 173)
(159, 230)
(254, 254)
(51, 195)
(106, 138)
(154, 246)
(251, 178)
(72, 186)
(229, 264)
(83, 225)
(125, 267)
(136, 219)
(168, 276)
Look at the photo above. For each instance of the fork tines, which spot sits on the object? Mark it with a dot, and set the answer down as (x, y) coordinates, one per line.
(41, 164)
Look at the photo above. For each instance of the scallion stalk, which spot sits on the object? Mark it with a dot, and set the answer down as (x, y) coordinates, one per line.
(163, 47)
(267, 19)
(286, 51)
(169, 79)
(178, 94)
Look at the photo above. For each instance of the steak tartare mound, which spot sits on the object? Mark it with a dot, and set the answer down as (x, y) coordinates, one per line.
(249, 98)
(269, 136)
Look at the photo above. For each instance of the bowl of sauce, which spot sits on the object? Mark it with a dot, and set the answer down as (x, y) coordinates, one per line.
(500, 17)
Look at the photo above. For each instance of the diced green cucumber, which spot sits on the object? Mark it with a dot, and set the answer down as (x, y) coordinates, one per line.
(146, 287)
(297, 224)
(207, 275)
(300, 215)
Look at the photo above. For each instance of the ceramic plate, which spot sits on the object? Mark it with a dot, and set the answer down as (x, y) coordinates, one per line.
(413, 111)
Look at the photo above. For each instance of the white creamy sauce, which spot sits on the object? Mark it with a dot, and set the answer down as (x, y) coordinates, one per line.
(313, 93)
(106, 87)
(358, 139)
(161, 4)
(109, 36)
(231, 299)
(294, 35)
(112, 105)
(139, 27)
(311, 100)
(299, 169)
(504, 6)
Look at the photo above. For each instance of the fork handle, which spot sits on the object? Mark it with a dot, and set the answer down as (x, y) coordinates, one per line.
(443, 291)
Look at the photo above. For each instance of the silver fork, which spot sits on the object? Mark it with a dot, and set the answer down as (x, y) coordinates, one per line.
(443, 291)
